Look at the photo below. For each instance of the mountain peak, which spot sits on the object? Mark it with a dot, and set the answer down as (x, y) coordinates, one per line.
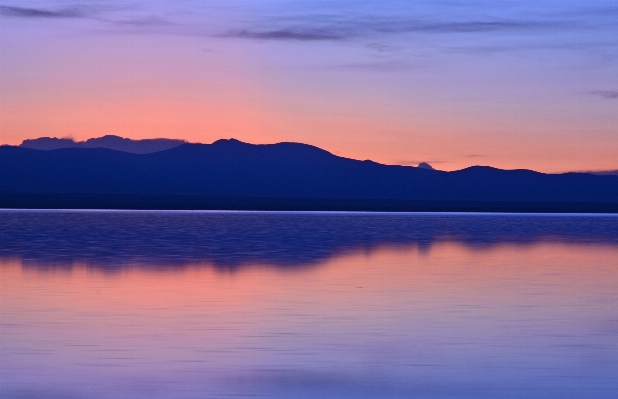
(108, 138)
(425, 165)
(228, 141)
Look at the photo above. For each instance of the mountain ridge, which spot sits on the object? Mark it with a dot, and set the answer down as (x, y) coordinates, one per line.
(112, 142)
(229, 168)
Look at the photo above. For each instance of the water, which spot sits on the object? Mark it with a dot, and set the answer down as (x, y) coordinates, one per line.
(304, 305)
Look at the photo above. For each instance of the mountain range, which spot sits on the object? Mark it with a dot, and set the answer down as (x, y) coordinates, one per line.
(230, 174)
(111, 142)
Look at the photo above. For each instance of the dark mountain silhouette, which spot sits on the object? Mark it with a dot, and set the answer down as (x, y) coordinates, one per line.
(425, 165)
(111, 142)
(229, 169)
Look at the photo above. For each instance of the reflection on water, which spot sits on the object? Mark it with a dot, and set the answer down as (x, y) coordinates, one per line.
(118, 239)
(209, 305)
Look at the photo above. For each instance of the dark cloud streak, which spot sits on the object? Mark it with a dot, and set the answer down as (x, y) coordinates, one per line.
(352, 29)
(148, 22)
(21, 12)
(515, 47)
(285, 34)
(459, 27)
(606, 94)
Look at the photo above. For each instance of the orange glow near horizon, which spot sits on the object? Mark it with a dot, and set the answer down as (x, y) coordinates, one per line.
(370, 131)
(59, 78)
(375, 138)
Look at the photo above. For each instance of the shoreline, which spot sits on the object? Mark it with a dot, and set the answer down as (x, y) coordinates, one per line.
(227, 203)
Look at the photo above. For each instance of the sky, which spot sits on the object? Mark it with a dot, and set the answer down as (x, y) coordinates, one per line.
(511, 84)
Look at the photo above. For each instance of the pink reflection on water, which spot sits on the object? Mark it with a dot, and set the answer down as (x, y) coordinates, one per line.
(451, 321)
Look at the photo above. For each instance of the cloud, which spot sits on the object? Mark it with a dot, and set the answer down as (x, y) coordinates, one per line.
(21, 12)
(606, 94)
(152, 21)
(307, 29)
(458, 26)
(40, 394)
(285, 34)
(383, 48)
(537, 46)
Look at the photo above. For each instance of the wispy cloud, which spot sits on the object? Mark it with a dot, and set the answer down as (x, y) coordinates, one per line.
(606, 94)
(336, 25)
(533, 46)
(383, 48)
(305, 30)
(22, 12)
(145, 22)
(458, 26)
(285, 34)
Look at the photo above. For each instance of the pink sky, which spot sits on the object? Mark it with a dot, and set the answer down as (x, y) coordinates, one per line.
(508, 97)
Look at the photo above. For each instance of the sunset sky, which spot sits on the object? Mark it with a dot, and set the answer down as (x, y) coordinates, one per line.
(512, 84)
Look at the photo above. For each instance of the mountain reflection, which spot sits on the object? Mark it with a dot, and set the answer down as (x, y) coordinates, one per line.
(230, 240)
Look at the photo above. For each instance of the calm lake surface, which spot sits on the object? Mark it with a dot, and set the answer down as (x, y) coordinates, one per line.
(119, 304)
